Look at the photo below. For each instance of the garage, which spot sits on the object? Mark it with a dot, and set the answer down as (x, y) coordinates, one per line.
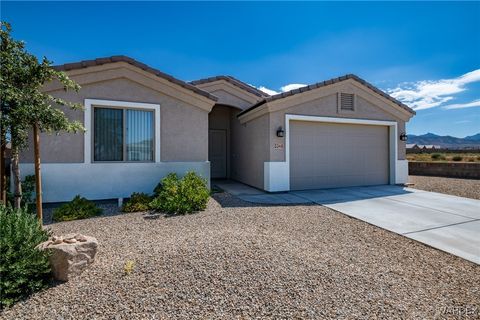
(333, 155)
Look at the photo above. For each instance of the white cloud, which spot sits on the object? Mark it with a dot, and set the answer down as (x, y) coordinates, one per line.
(475, 103)
(292, 86)
(462, 121)
(266, 90)
(285, 88)
(428, 93)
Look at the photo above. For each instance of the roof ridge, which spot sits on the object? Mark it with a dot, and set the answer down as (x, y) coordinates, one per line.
(138, 64)
(326, 83)
(242, 85)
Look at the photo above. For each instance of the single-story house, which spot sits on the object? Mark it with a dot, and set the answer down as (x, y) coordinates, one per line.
(429, 147)
(412, 146)
(142, 124)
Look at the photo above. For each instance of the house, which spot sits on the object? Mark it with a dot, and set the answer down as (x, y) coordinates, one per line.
(412, 146)
(142, 124)
(429, 147)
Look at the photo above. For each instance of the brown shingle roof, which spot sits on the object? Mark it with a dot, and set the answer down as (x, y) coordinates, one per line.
(326, 83)
(235, 82)
(133, 62)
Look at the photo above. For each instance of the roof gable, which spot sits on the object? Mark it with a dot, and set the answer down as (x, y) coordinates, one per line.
(240, 84)
(326, 83)
(114, 59)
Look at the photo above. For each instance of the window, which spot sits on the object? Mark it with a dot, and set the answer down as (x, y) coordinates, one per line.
(121, 134)
(347, 101)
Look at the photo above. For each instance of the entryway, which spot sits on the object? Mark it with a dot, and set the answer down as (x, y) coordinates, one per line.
(217, 153)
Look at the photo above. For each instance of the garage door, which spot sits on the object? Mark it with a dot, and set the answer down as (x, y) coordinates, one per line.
(330, 155)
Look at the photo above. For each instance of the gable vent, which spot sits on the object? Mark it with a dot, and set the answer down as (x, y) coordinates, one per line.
(346, 101)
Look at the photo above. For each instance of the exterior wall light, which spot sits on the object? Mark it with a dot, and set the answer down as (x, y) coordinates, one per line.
(280, 132)
(403, 136)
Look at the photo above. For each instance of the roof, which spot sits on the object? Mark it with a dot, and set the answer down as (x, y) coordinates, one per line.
(324, 84)
(133, 62)
(235, 82)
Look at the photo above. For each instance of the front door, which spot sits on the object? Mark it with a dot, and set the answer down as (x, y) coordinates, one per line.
(217, 153)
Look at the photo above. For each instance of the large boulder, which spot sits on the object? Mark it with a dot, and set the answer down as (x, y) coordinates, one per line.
(70, 254)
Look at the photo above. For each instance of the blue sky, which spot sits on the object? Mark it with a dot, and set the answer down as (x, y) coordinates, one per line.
(425, 54)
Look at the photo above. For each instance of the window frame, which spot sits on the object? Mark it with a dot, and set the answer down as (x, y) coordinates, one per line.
(89, 121)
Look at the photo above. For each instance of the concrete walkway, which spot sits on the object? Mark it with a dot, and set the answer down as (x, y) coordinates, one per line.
(445, 222)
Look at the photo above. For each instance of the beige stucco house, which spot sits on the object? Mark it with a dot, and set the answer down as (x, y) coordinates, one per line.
(142, 124)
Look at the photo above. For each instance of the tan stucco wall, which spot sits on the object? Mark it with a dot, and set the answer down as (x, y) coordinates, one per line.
(250, 149)
(327, 107)
(184, 127)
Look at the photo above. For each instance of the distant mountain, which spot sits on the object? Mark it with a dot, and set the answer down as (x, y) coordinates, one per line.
(446, 141)
(475, 137)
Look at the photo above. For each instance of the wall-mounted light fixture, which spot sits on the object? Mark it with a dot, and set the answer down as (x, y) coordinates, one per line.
(403, 136)
(280, 132)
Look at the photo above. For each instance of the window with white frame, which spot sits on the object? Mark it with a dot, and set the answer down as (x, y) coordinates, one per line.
(123, 134)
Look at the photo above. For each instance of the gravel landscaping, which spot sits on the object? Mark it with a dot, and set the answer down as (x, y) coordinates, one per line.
(238, 260)
(468, 188)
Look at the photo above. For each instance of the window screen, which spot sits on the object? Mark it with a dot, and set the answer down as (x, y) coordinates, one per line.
(123, 135)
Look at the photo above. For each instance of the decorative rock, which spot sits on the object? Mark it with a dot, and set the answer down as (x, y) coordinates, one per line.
(80, 237)
(70, 256)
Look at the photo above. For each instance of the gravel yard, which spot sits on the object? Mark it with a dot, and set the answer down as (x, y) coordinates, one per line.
(468, 188)
(236, 260)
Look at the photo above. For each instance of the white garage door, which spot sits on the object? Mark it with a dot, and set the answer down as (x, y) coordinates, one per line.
(331, 155)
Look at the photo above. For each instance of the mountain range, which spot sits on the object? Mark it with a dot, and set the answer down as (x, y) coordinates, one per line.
(446, 141)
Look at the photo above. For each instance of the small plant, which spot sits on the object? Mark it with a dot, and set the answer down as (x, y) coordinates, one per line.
(180, 196)
(436, 156)
(23, 268)
(78, 208)
(128, 267)
(137, 202)
(158, 188)
(457, 158)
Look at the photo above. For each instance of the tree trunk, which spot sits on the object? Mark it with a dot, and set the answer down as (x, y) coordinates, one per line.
(17, 182)
(38, 175)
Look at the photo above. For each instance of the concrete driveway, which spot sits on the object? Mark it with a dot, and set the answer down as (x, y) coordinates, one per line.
(445, 222)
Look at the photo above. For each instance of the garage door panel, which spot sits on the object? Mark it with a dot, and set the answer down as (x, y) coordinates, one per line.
(327, 155)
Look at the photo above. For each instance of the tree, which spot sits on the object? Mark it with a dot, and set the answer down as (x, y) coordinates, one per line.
(26, 107)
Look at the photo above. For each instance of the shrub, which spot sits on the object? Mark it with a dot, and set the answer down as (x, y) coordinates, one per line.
(78, 208)
(457, 158)
(436, 156)
(137, 202)
(23, 268)
(158, 189)
(182, 196)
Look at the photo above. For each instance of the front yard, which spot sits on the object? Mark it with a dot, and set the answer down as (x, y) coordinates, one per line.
(237, 260)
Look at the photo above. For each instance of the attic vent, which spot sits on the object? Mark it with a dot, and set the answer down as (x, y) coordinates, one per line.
(346, 101)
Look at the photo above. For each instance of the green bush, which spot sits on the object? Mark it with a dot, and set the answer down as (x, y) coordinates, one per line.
(23, 268)
(157, 190)
(78, 208)
(137, 202)
(436, 156)
(457, 158)
(180, 196)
